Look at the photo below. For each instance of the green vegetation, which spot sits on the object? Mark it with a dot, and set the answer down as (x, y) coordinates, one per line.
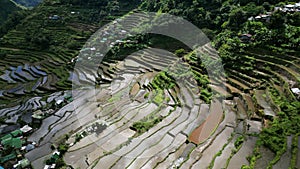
(287, 123)
(158, 96)
(63, 148)
(60, 150)
(146, 95)
(199, 73)
(205, 95)
(294, 152)
(2, 120)
(211, 165)
(7, 7)
(163, 81)
(148, 122)
(32, 37)
(252, 159)
(225, 21)
(180, 52)
(143, 126)
(238, 143)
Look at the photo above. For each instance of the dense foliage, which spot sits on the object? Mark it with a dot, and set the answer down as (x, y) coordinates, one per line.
(216, 17)
(286, 124)
(7, 7)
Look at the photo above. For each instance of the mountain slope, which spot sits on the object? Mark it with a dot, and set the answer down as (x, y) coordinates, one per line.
(7, 7)
(28, 3)
(51, 44)
(36, 60)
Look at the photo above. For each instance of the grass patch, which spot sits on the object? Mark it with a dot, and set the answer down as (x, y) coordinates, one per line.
(238, 145)
(143, 126)
(148, 122)
(159, 97)
(211, 165)
(294, 152)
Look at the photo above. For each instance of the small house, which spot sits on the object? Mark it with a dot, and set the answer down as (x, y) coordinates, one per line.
(278, 9)
(7, 158)
(7, 136)
(50, 166)
(54, 17)
(245, 37)
(251, 18)
(12, 142)
(39, 112)
(23, 163)
(263, 17)
(29, 147)
(59, 101)
(296, 92)
(290, 7)
(38, 115)
(257, 17)
(55, 156)
(26, 129)
(297, 5)
(266, 17)
(16, 133)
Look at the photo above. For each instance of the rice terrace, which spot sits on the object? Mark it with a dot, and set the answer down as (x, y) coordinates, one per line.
(149, 84)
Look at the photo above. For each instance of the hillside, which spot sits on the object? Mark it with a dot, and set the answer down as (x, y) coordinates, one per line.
(7, 7)
(28, 3)
(51, 43)
(152, 102)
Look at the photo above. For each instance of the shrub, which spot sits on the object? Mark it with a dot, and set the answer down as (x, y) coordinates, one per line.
(239, 141)
(180, 52)
(146, 95)
(63, 148)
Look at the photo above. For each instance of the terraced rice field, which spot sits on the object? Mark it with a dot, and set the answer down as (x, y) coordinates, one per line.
(117, 145)
(170, 139)
(128, 123)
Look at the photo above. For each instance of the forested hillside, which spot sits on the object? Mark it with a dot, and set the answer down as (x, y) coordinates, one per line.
(230, 18)
(55, 30)
(7, 7)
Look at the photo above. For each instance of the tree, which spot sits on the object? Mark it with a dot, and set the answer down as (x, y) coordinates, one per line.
(180, 52)
(12, 21)
(294, 19)
(277, 20)
(236, 18)
(252, 9)
(63, 148)
(267, 6)
(113, 6)
(291, 34)
(262, 34)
